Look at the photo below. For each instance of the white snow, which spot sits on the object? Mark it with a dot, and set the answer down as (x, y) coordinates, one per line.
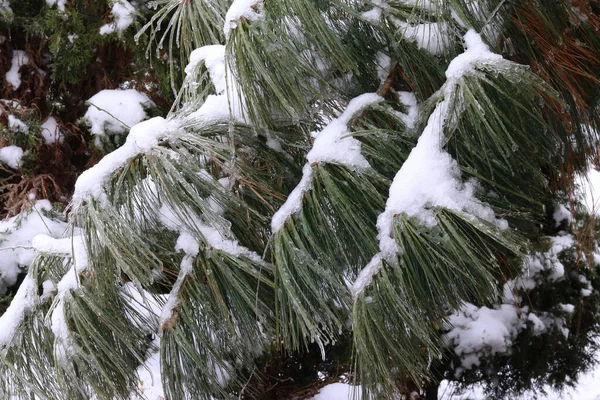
(59, 3)
(365, 277)
(538, 325)
(16, 234)
(409, 100)
(250, 10)
(115, 111)
(483, 331)
(561, 213)
(11, 156)
(16, 125)
(293, 203)
(339, 391)
(430, 177)
(21, 304)
(5, 9)
(587, 388)
(214, 60)
(123, 14)
(332, 145)
(149, 376)
(477, 53)
(19, 58)
(589, 188)
(228, 102)
(190, 246)
(51, 132)
(73, 247)
(16, 254)
(429, 36)
(141, 139)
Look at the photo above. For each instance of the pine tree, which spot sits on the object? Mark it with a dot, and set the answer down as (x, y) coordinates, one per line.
(371, 183)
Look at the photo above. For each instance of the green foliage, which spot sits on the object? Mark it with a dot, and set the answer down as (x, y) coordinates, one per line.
(180, 239)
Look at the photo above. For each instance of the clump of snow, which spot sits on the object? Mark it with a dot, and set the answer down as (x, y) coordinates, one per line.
(365, 277)
(190, 247)
(11, 156)
(374, 15)
(116, 111)
(73, 247)
(430, 177)
(13, 77)
(59, 3)
(429, 36)
(141, 139)
(214, 60)
(16, 254)
(339, 391)
(293, 203)
(123, 14)
(561, 213)
(189, 243)
(477, 53)
(5, 9)
(483, 331)
(51, 132)
(538, 325)
(332, 145)
(16, 125)
(589, 187)
(409, 100)
(228, 102)
(21, 304)
(250, 10)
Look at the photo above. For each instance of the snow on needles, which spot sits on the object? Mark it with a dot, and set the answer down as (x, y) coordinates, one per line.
(250, 10)
(142, 138)
(73, 247)
(59, 3)
(18, 251)
(332, 145)
(20, 305)
(228, 101)
(214, 60)
(16, 235)
(123, 14)
(430, 177)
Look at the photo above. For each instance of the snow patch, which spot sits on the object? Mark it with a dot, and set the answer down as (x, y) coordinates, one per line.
(11, 156)
(332, 145)
(250, 10)
(51, 132)
(59, 3)
(19, 58)
(115, 111)
(483, 331)
(214, 60)
(123, 16)
(141, 139)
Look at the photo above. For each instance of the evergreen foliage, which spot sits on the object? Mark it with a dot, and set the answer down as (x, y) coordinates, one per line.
(355, 179)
